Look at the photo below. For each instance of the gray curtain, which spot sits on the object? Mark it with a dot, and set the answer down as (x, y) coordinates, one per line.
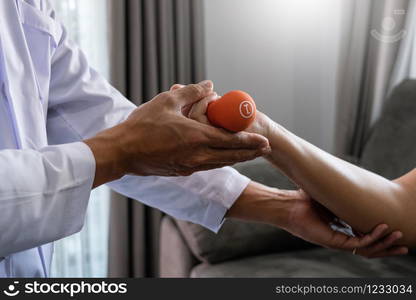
(405, 67)
(375, 35)
(163, 45)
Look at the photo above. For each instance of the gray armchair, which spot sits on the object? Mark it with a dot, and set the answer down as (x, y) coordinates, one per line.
(244, 249)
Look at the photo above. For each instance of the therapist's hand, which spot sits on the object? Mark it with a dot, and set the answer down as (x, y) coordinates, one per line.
(157, 139)
(297, 213)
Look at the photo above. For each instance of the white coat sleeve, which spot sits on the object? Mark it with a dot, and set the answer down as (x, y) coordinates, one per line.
(83, 103)
(43, 194)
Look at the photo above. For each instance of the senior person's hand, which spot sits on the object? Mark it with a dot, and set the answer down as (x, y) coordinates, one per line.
(157, 139)
(295, 212)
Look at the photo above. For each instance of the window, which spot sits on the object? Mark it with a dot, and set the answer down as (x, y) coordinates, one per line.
(85, 253)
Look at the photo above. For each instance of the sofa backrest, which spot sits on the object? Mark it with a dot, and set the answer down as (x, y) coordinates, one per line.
(391, 149)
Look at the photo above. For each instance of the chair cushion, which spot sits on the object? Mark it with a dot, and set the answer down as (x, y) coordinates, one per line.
(310, 263)
(237, 238)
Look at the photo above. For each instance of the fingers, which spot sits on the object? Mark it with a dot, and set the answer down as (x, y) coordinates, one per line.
(192, 93)
(214, 159)
(344, 242)
(384, 247)
(385, 243)
(367, 239)
(372, 245)
(220, 139)
(199, 109)
(186, 109)
(230, 157)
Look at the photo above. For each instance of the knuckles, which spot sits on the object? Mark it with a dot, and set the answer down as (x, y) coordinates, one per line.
(168, 98)
(196, 89)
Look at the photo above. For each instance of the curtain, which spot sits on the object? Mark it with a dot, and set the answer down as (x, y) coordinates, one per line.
(406, 61)
(85, 253)
(163, 45)
(376, 33)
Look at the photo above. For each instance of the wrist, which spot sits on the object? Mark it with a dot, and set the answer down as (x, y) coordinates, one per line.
(262, 125)
(109, 159)
(280, 139)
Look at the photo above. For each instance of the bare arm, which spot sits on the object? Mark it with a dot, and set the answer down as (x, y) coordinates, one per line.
(296, 212)
(358, 196)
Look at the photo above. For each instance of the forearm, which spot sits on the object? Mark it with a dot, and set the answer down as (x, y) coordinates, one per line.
(360, 197)
(263, 204)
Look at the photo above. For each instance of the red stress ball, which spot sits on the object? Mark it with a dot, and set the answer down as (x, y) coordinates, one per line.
(235, 111)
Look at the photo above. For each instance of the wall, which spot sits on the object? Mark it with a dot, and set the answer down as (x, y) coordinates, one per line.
(285, 53)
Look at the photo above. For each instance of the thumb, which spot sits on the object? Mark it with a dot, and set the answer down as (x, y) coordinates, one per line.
(192, 93)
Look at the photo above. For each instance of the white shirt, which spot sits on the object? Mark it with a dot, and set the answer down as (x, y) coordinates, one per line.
(51, 101)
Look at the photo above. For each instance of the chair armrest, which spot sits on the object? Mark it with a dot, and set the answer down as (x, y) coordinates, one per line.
(175, 258)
